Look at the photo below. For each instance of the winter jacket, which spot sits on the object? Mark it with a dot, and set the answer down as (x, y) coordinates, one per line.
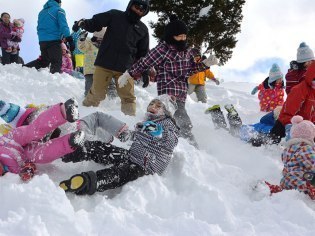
(154, 153)
(293, 77)
(172, 67)
(52, 23)
(124, 42)
(90, 53)
(301, 99)
(200, 77)
(298, 158)
(270, 98)
(5, 34)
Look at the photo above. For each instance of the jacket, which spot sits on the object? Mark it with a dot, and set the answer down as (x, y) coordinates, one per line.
(90, 53)
(5, 34)
(293, 77)
(200, 77)
(52, 23)
(124, 42)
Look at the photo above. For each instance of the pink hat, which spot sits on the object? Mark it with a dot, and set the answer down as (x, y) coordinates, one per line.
(304, 129)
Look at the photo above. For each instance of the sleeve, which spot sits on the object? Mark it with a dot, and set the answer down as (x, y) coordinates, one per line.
(63, 25)
(98, 21)
(3, 33)
(209, 74)
(143, 46)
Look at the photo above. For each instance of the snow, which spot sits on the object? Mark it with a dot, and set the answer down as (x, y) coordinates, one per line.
(204, 192)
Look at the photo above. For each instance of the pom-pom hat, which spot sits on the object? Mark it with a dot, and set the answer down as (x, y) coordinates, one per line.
(303, 129)
(304, 53)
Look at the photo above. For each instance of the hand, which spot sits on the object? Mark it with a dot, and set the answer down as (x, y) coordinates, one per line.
(123, 79)
(71, 43)
(210, 61)
(78, 24)
(83, 35)
(152, 128)
(145, 79)
(254, 91)
(27, 171)
(217, 82)
(277, 132)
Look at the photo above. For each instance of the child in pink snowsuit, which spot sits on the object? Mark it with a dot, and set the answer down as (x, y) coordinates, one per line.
(23, 145)
(17, 30)
(66, 60)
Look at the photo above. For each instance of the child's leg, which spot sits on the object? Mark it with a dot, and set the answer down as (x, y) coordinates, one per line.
(191, 88)
(46, 122)
(201, 93)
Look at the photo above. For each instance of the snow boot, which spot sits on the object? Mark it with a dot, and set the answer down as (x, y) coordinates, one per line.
(80, 184)
(217, 116)
(234, 119)
(77, 139)
(72, 111)
(310, 177)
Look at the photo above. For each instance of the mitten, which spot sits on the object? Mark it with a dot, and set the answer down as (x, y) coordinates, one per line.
(277, 132)
(217, 82)
(93, 39)
(123, 79)
(254, 91)
(27, 171)
(71, 43)
(126, 135)
(78, 24)
(152, 128)
(145, 79)
(83, 35)
(210, 61)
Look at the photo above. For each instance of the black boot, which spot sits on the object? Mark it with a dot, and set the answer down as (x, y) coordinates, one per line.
(234, 119)
(72, 112)
(80, 184)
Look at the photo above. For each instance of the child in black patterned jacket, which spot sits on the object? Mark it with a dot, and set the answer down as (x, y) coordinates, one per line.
(153, 142)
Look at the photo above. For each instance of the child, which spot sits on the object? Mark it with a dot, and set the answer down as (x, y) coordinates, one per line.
(17, 30)
(298, 68)
(151, 151)
(298, 158)
(271, 91)
(67, 66)
(22, 147)
(197, 81)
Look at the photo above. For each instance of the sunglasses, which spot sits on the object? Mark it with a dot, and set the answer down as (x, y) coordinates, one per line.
(140, 7)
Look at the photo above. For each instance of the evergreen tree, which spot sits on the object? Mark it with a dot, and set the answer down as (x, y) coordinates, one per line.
(211, 23)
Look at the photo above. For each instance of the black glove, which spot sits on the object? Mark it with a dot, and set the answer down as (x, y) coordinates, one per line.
(93, 39)
(145, 79)
(277, 132)
(77, 156)
(83, 35)
(71, 43)
(78, 24)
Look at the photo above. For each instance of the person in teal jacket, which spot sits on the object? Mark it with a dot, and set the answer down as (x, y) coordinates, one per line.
(52, 28)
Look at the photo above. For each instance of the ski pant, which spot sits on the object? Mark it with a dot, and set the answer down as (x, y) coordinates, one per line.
(25, 140)
(51, 53)
(8, 58)
(88, 83)
(199, 90)
(101, 80)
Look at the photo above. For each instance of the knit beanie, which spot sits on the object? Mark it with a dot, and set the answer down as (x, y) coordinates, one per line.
(304, 53)
(303, 129)
(169, 103)
(11, 113)
(274, 73)
(174, 28)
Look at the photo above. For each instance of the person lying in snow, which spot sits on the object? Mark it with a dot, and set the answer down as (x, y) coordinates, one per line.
(153, 142)
(22, 147)
(298, 159)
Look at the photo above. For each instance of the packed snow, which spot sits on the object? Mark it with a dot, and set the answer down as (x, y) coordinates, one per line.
(203, 192)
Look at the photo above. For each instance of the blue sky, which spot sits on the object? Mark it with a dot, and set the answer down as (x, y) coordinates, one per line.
(271, 31)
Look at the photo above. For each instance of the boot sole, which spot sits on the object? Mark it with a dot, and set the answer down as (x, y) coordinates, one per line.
(74, 184)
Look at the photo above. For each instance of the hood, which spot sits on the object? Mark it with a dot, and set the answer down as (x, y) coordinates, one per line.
(51, 3)
(310, 74)
(145, 2)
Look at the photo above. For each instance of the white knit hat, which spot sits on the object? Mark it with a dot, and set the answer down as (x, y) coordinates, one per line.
(169, 103)
(304, 53)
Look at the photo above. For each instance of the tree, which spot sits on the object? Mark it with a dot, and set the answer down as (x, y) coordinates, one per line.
(211, 23)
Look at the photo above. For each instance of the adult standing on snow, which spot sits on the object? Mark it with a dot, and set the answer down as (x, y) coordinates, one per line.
(52, 27)
(126, 40)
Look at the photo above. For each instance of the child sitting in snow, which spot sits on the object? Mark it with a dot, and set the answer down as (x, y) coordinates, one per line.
(67, 66)
(151, 151)
(298, 159)
(22, 147)
(17, 30)
(271, 90)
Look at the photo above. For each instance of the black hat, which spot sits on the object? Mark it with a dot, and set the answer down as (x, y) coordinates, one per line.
(144, 3)
(175, 27)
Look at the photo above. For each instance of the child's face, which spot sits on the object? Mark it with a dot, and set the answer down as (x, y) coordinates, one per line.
(156, 107)
(278, 81)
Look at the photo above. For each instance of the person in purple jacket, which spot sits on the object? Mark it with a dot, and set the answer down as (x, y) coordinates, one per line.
(174, 63)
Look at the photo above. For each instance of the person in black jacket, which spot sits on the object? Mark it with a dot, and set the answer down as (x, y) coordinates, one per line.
(126, 40)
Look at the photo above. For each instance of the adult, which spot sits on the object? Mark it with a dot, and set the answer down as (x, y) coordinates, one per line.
(126, 41)
(52, 27)
(5, 35)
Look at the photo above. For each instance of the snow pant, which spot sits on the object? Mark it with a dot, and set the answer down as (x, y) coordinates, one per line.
(101, 80)
(100, 126)
(8, 58)
(51, 53)
(88, 83)
(199, 90)
(184, 123)
(28, 137)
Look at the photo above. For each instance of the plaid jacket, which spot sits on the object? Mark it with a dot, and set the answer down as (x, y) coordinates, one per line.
(173, 69)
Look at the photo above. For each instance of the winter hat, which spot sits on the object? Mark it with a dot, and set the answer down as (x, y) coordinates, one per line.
(63, 46)
(11, 113)
(304, 129)
(274, 73)
(304, 53)
(18, 22)
(174, 28)
(99, 34)
(169, 103)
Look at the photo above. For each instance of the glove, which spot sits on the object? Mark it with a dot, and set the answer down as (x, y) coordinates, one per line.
(123, 79)
(125, 136)
(254, 91)
(77, 156)
(145, 79)
(277, 132)
(78, 24)
(83, 35)
(152, 128)
(210, 61)
(93, 39)
(27, 171)
(71, 43)
(217, 82)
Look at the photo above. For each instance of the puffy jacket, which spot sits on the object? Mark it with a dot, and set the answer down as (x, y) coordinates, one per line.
(293, 77)
(52, 23)
(301, 99)
(5, 34)
(200, 77)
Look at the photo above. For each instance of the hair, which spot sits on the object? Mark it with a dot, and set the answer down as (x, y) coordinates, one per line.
(4, 13)
(301, 65)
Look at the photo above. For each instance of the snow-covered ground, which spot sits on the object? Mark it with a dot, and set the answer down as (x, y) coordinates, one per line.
(204, 192)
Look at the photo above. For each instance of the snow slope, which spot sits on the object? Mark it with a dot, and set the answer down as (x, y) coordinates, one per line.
(206, 192)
